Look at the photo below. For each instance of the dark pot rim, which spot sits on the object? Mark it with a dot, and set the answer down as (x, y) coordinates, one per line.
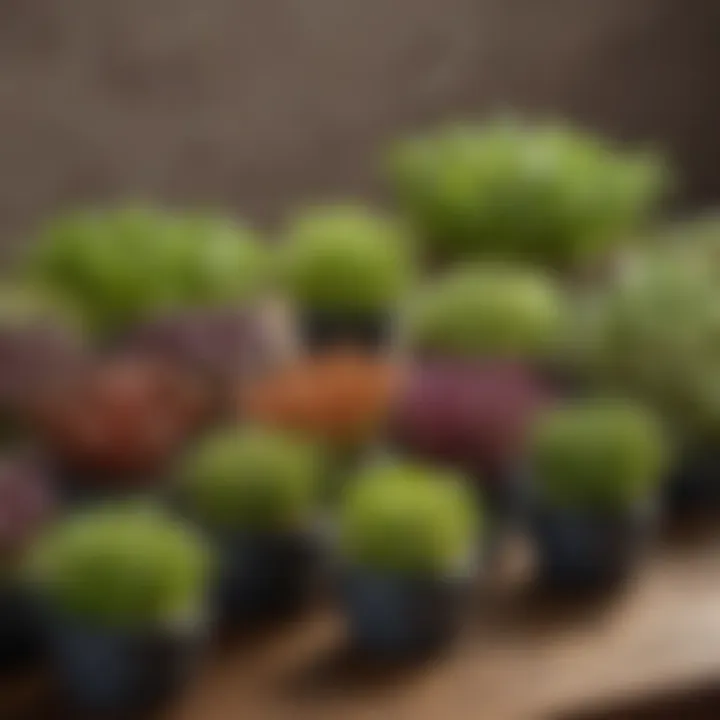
(191, 623)
(464, 572)
(643, 507)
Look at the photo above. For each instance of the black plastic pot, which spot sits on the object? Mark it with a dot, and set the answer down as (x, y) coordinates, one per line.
(103, 670)
(563, 382)
(399, 617)
(78, 489)
(265, 575)
(324, 330)
(501, 506)
(502, 501)
(693, 485)
(20, 631)
(504, 495)
(79, 497)
(583, 550)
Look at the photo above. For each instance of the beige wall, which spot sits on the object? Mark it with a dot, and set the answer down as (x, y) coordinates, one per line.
(263, 103)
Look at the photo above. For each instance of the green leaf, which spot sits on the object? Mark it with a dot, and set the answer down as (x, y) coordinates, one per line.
(408, 520)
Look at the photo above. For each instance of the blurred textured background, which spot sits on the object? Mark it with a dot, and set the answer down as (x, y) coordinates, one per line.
(263, 104)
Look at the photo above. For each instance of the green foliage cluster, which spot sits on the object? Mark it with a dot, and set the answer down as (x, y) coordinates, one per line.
(654, 334)
(256, 480)
(123, 567)
(409, 520)
(118, 266)
(601, 455)
(346, 259)
(487, 309)
(544, 193)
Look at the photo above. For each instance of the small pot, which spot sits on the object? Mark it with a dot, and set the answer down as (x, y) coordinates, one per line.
(583, 550)
(20, 632)
(504, 494)
(320, 331)
(265, 575)
(105, 670)
(693, 486)
(563, 382)
(399, 616)
(502, 501)
(81, 489)
(78, 486)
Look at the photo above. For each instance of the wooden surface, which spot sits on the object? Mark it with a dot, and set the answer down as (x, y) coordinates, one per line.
(522, 657)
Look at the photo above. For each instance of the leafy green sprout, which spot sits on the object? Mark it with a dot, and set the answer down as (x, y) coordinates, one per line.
(653, 334)
(346, 259)
(543, 193)
(408, 520)
(125, 567)
(602, 455)
(487, 309)
(118, 266)
(254, 480)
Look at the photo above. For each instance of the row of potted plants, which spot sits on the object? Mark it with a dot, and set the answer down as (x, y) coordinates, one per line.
(546, 196)
(449, 369)
(125, 593)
